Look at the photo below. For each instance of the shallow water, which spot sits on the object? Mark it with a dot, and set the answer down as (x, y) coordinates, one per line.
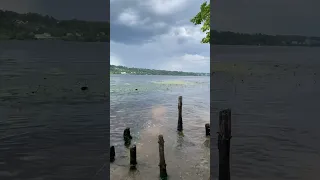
(150, 109)
(49, 128)
(274, 95)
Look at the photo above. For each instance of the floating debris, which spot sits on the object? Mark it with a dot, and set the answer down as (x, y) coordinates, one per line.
(84, 88)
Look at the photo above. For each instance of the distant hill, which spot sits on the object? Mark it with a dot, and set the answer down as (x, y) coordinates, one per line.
(140, 71)
(35, 26)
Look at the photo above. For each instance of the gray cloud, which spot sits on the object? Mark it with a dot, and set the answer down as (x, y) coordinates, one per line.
(157, 34)
(270, 17)
(149, 18)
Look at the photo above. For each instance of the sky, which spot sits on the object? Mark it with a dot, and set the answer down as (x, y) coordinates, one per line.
(158, 33)
(155, 34)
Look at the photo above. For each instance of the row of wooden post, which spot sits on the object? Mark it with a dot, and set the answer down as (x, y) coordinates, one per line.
(133, 153)
(224, 136)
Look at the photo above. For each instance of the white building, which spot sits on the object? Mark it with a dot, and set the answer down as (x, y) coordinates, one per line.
(43, 36)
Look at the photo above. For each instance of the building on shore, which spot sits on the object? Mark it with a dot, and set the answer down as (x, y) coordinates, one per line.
(43, 36)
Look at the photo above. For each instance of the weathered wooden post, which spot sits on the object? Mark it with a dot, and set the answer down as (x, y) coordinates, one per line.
(112, 154)
(162, 163)
(127, 136)
(180, 128)
(133, 157)
(207, 126)
(224, 136)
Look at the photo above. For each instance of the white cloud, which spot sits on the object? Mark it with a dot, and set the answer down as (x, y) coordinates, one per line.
(196, 58)
(131, 17)
(164, 7)
(187, 32)
(115, 60)
(188, 63)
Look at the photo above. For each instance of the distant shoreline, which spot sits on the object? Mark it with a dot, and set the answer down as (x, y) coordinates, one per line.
(259, 39)
(122, 70)
(34, 26)
(237, 45)
(159, 75)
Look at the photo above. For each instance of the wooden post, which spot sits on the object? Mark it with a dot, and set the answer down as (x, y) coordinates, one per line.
(127, 136)
(112, 154)
(224, 136)
(133, 156)
(180, 114)
(207, 126)
(162, 164)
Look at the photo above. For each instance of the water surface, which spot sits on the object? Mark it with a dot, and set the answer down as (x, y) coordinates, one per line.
(148, 105)
(274, 96)
(49, 128)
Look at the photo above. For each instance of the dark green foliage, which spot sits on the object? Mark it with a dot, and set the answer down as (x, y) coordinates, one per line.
(203, 17)
(231, 38)
(24, 26)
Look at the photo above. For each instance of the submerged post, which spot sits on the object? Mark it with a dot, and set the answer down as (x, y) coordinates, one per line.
(162, 164)
(127, 136)
(179, 128)
(112, 154)
(207, 126)
(133, 156)
(224, 136)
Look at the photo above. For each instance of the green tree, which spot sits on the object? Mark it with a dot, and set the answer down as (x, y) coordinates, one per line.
(203, 17)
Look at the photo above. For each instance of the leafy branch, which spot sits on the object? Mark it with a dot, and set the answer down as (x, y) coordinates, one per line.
(203, 17)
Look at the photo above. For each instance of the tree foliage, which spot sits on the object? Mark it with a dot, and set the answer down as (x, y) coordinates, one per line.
(24, 26)
(232, 38)
(203, 18)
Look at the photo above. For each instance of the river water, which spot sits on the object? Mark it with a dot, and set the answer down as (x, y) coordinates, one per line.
(49, 128)
(274, 94)
(148, 106)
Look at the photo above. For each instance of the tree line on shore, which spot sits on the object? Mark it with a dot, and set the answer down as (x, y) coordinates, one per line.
(202, 18)
(36, 26)
(142, 71)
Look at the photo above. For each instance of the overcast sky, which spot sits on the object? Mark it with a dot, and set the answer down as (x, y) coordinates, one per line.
(153, 34)
(158, 34)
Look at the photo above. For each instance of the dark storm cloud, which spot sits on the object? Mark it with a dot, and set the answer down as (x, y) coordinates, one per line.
(270, 16)
(120, 33)
(97, 10)
(145, 31)
(157, 35)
